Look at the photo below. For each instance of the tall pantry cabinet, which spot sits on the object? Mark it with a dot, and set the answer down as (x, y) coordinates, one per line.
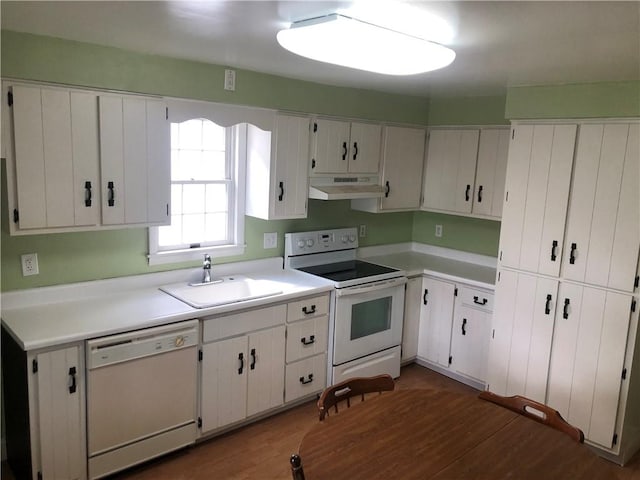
(566, 314)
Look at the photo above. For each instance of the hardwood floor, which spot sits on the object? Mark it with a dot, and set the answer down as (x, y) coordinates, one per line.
(261, 451)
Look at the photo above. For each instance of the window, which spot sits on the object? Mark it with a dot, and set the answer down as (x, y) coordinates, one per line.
(207, 198)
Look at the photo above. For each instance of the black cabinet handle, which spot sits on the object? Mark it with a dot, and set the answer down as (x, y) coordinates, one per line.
(281, 187)
(72, 374)
(304, 382)
(424, 297)
(466, 193)
(111, 198)
(253, 359)
(480, 194)
(565, 310)
(387, 189)
(483, 302)
(311, 341)
(308, 311)
(241, 358)
(464, 324)
(554, 246)
(572, 256)
(87, 194)
(355, 148)
(344, 150)
(547, 305)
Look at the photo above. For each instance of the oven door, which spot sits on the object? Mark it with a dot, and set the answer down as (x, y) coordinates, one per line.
(368, 318)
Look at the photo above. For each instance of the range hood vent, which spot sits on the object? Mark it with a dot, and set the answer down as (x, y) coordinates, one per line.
(344, 188)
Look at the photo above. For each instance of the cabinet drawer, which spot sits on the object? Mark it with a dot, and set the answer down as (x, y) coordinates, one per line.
(305, 377)
(216, 328)
(480, 299)
(309, 307)
(307, 338)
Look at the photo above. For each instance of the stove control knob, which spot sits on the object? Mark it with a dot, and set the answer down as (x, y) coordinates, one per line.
(179, 341)
(352, 238)
(310, 242)
(301, 243)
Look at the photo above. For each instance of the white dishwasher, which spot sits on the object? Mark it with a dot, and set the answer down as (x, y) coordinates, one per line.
(141, 395)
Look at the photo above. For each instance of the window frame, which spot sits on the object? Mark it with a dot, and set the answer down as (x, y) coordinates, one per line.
(180, 111)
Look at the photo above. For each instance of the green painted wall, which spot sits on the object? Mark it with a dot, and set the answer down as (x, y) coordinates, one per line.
(467, 111)
(588, 100)
(461, 233)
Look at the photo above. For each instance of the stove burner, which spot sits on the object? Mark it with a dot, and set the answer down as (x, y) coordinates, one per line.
(349, 270)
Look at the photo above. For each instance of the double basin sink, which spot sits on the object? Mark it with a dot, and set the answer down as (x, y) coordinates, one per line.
(222, 291)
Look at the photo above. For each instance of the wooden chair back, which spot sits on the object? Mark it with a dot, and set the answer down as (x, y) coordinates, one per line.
(536, 411)
(297, 473)
(350, 388)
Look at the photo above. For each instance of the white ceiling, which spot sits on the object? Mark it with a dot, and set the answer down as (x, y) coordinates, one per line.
(498, 44)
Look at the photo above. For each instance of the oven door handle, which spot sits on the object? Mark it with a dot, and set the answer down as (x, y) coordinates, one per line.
(371, 287)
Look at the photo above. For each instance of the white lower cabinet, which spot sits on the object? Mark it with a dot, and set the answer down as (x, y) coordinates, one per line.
(306, 350)
(454, 329)
(46, 429)
(242, 366)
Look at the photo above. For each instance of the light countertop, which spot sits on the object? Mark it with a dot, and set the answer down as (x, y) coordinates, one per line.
(82, 312)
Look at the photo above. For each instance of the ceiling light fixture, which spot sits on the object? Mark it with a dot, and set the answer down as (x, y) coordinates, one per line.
(349, 42)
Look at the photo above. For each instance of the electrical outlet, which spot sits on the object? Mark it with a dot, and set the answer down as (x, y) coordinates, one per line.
(29, 264)
(363, 231)
(438, 230)
(270, 240)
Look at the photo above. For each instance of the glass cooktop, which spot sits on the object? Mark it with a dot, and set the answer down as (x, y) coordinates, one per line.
(349, 270)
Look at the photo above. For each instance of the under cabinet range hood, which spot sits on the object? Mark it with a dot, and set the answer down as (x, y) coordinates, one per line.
(344, 188)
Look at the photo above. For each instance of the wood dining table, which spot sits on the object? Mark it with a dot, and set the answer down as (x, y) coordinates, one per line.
(432, 434)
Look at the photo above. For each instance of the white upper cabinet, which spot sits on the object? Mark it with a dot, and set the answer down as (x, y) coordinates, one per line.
(491, 171)
(345, 147)
(402, 162)
(135, 152)
(54, 159)
(603, 225)
(465, 171)
(277, 169)
(450, 170)
(81, 160)
(536, 196)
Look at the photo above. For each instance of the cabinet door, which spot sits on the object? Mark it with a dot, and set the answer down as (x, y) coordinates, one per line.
(603, 228)
(413, 301)
(491, 172)
(536, 197)
(158, 163)
(266, 370)
(436, 317)
(224, 382)
(470, 342)
(61, 414)
(522, 331)
(291, 167)
(364, 150)
(55, 138)
(330, 147)
(450, 170)
(403, 158)
(587, 358)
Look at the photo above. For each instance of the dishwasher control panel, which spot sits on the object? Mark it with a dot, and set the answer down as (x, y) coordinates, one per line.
(141, 343)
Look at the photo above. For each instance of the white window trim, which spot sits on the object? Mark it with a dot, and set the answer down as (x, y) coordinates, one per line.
(239, 146)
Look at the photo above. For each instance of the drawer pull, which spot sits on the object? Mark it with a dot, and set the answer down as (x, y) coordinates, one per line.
(477, 302)
(111, 196)
(253, 359)
(344, 150)
(466, 193)
(464, 325)
(565, 310)
(424, 297)
(480, 194)
(87, 194)
(309, 311)
(310, 379)
(554, 245)
(311, 341)
(572, 255)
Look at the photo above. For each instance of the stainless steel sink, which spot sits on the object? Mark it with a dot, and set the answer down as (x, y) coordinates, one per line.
(222, 291)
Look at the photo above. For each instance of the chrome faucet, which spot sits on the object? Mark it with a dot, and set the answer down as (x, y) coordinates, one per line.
(206, 269)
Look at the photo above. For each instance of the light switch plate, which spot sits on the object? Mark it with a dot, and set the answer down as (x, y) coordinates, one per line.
(271, 240)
